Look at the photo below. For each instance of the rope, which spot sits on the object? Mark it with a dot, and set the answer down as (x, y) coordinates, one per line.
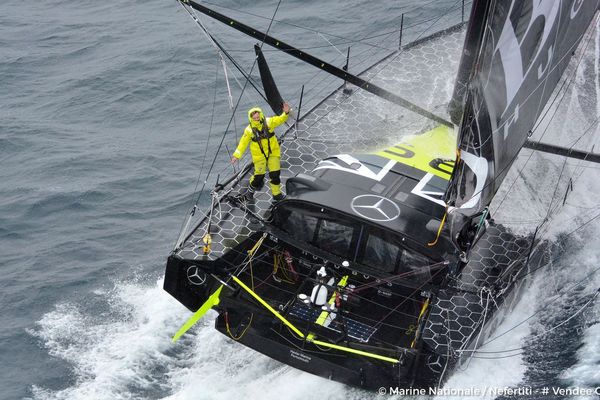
(562, 91)
(537, 336)
(244, 331)
(383, 66)
(347, 39)
(439, 231)
(248, 80)
(210, 127)
(220, 51)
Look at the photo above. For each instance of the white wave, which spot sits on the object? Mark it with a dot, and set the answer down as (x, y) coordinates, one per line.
(126, 353)
(585, 373)
(223, 369)
(113, 354)
(488, 370)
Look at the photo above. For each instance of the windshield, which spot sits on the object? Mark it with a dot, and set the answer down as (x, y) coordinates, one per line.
(378, 249)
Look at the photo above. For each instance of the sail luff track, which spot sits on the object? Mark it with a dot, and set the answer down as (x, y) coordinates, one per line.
(316, 62)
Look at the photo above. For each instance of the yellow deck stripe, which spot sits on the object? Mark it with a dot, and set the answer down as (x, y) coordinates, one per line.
(297, 331)
(268, 307)
(359, 352)
(419, 151)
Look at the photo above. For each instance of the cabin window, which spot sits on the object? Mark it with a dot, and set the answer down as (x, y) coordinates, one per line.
(415, 266)
(375, 248)
(334, 237)
(300, 226)
(380, 254)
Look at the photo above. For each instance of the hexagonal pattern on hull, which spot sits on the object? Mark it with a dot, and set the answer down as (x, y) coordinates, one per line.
(356, 123)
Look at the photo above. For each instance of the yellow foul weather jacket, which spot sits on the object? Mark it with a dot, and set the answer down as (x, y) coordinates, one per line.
(262, 139)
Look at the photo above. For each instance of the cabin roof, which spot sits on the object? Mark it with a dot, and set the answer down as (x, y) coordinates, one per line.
(375, 191)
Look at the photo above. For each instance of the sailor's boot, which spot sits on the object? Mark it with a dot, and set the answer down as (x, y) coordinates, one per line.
(278, 197)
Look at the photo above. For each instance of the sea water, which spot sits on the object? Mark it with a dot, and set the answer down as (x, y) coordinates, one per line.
(105, 124)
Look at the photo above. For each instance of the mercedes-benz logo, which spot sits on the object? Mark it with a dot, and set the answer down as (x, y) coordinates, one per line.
(375, 208)
(195, 275)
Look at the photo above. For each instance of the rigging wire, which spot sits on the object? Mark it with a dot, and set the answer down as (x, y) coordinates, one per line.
(538, 335)
(248, 80)
(210, 127)
(575, 285)
(508, 165)
(395, 51)
(322, 87)
(581, 226)
(572, 288)
(562, 91)
(391, 58)
(192, 207)
(564, 237)
(221, 50)
(542, 82)
(347, 39)
(541, 334)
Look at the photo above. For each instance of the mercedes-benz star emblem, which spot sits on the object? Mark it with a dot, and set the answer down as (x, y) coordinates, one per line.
(195, 275)
(375, 208)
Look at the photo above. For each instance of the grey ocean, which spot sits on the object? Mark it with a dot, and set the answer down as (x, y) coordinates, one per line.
(105, 113)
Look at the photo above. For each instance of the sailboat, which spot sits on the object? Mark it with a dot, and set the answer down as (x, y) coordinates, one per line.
(383, 266)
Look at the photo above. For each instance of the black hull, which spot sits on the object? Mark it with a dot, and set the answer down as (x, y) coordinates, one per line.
(276, 343)
(403, 306)
(459, 324)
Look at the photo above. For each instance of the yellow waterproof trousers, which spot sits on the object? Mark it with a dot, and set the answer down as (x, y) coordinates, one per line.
(260, 168)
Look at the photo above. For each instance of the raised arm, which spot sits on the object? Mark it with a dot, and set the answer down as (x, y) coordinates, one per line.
(277, 120)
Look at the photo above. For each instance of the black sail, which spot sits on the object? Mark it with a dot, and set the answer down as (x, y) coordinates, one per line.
(272, 93)
(524, 48)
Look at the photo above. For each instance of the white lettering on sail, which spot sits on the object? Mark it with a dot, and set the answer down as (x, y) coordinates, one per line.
(575, 7)
(543, 68)
(510, 49)
(511, 120)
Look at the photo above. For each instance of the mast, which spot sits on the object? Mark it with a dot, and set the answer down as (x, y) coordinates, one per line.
(524, 49)
(317, 62)
(470, 53)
